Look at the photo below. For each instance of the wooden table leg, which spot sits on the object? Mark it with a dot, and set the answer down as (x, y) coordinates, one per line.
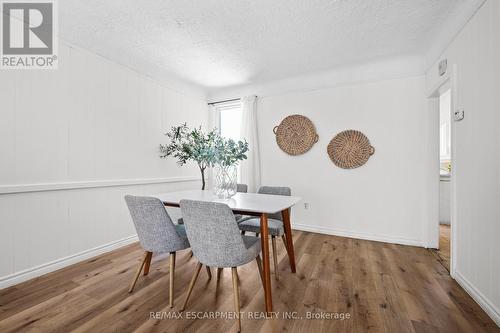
(266, 270)
(289, 240)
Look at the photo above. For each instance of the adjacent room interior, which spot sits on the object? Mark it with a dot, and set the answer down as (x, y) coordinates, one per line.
(256, 166)
(444, 249)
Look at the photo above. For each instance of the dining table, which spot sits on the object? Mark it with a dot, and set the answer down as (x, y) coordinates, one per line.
(252, 204)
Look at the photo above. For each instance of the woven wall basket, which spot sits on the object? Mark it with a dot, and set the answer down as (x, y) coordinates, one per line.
(295, 134)
(350, 149)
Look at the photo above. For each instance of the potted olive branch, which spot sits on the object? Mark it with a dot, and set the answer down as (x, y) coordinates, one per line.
(206, 149)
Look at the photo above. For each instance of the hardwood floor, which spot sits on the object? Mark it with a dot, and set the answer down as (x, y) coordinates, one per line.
(443, 254)
(383, 287)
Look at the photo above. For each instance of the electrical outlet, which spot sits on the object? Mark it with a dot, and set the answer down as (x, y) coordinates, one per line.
(306, 205)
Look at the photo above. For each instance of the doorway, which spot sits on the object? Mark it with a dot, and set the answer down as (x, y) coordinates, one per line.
(444, 251)
(441, 229)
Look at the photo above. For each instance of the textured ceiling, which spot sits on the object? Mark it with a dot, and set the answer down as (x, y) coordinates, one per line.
(218, 43)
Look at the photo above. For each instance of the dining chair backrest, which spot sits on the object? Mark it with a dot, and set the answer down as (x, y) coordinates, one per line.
(275, 190)
(214, 236)
(242, 188)
(155, 229)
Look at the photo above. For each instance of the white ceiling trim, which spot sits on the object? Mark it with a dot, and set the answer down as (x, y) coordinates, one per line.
(387, 69)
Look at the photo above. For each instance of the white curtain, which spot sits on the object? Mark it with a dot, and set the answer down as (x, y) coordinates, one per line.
(213, 117)
(250, 168)
(213, 122)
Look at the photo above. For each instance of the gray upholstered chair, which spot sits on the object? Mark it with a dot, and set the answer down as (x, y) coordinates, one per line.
(275, 222)
(157, 234)
(242, 188)
(216, 241)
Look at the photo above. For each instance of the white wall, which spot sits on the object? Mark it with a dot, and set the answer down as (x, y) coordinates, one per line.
(476, 54)
(384, 200)
(92, 129)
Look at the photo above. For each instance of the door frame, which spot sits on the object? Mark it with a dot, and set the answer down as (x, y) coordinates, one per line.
(432, 228)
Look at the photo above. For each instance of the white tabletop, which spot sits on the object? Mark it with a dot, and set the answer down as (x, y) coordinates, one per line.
(243, 202)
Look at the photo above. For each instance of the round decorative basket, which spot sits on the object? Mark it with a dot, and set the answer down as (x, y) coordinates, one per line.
(350, 149)
(296, 134)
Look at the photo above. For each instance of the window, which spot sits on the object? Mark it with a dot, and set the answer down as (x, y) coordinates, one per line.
(229, 115)
(230, 120)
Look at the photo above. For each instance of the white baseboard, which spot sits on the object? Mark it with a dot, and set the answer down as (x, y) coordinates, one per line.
(350, 234)
(480, 299)
(10, 280)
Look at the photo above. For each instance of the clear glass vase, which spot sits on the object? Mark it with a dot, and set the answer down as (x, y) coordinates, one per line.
(225, 181)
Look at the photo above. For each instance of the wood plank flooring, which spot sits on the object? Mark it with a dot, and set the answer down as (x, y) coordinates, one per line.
(383, 287)
(443, 253)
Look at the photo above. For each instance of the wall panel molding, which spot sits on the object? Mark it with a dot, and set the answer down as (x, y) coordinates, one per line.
(44, 187)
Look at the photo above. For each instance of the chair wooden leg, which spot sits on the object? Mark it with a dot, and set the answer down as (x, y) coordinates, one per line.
(209, 272)
(172, 274)
(191, 284)
(259, 265)
(219, 272)
(275, 258)
(147, 263)
(134, 281)
(236, 296)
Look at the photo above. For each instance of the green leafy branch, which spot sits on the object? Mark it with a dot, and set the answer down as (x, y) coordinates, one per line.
(205, 149)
